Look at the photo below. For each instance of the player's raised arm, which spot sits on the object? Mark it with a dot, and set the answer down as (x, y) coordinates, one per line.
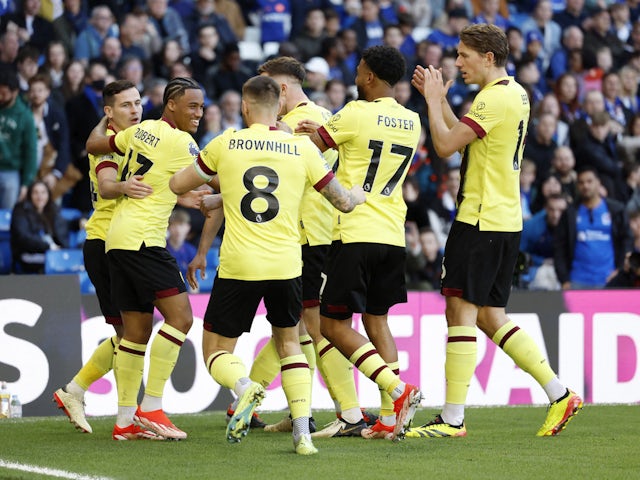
(110, 187)
(98, 142)
(341, 198)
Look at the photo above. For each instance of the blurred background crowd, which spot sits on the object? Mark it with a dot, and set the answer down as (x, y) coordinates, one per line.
(579, 60)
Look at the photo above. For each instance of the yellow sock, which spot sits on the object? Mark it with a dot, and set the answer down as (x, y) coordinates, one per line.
(266, 365)
(338, 375)
(525, 353)
(460, 363)
(99, 364)
(127, 368)
(386, 402)
(164, 355)
(368, 361)
(309, 351)
(296, 384)
(226, 368)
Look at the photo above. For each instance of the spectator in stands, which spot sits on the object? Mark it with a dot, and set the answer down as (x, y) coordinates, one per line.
(458, 90)
(424, 260)
(369, 27)
(629, 275)
(232, 13)
(593, 103)
(563, 166)
(613, 104)
(9, 47)
(528, 74)
(515, 39)
(489, 12)
(443, 209)
(177, 245)
(540, 145)
(598, 35)
(36, 226)
(53, 134)
(83, 112)
(152, 101)
(309, 40)
(423, 12)
(131, 68)
(538, 242)
(131, 37)
(212, 125)
(275, 21)
(550, 105)
(528, 188)
(448, 36)
(18, 161)
(29, 25)
(68, 26)
(168, 23)
(352, 51)
(629, 78)
(170, 53)
(317, 75)
(73, 80)
(336, 91)
(591, 238)
(566, 90)
(599, 151)
(101, 25)
(229, 75)
(333, 52)
(620, 20)
(230, 104)
(27, 66)
(206, 54)
(572, 39)
(206, 13)
(629, 143)
(548, 184)
(541, 22)
(111, 55)
(417, 208)
(55, 61)
(573, 15)
(429, 53)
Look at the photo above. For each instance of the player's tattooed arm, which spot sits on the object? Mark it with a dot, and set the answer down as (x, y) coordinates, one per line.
(341, 198)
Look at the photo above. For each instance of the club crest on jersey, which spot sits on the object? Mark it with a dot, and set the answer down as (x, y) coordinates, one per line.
(193, 149)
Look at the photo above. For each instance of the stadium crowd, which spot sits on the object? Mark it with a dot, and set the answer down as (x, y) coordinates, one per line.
(578, 60)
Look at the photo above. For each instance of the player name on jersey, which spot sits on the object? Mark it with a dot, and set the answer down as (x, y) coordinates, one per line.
(269, 145)
(394, 122)
(147, 137)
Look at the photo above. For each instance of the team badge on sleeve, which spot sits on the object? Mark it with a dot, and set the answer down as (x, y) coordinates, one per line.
(193, 150)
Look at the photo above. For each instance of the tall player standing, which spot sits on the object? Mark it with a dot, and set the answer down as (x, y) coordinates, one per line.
(376, 139)
(483, 244)
(144, 274)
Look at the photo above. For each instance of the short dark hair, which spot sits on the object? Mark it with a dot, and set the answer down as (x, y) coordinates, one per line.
(114, 88)
(28, 51)
(588, 168)
(484, 38)
(385, 62)
(262, 88)
(176, 88)
(9, 78)
(41, 77)
(287, 66)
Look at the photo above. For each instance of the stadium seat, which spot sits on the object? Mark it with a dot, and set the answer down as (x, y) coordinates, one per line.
(86, 287)
(67, 260)
(77, 238)
(250, 51)
(5, 224)
(270, 48)
(207, 284)
(70, 214)
(213, 258)
(5, 257)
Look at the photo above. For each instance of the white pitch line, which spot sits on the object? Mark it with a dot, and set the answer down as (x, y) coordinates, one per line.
(52, 472)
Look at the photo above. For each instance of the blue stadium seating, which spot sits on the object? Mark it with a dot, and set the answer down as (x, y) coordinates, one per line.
(213, 258)
(86, 287)
(5, 224)
(5, 257)
(67, 260)
(77, 238)
(207, 284)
